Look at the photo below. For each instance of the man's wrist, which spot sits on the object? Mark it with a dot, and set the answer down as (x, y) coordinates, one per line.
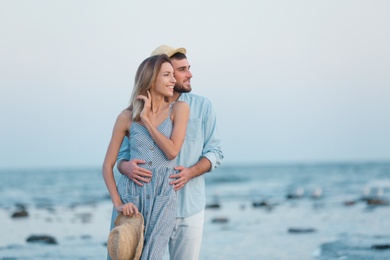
(204, 165)
(193, 172)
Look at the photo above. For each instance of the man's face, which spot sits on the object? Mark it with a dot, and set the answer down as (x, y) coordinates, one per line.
(183, 75)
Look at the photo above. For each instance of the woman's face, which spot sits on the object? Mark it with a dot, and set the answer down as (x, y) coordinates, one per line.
(165, 80)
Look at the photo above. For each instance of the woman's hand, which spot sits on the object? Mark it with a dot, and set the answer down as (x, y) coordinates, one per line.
(144, 115)
(127, 209)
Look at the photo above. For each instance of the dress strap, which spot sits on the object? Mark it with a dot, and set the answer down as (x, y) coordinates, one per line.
(170, 108)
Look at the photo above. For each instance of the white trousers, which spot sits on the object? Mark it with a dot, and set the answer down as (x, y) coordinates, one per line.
(186, 238)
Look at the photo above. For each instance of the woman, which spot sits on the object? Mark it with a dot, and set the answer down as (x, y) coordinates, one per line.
(156, 130)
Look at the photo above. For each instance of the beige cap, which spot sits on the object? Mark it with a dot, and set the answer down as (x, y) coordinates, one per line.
(168, 50)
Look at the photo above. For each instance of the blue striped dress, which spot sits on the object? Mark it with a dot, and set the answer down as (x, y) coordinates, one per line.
(156, 200)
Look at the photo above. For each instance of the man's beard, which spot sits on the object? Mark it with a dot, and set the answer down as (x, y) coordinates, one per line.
(181, 89)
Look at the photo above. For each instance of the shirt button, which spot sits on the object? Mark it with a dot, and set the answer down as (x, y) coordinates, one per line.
(149, 163)
(148, 197)
(151, 148)
(146, 213)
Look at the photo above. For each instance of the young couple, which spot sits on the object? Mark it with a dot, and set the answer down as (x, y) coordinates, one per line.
(163, 144)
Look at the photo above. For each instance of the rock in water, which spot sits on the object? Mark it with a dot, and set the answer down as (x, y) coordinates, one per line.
(297, 194)
(381, 247)
(377, 202)
(349, 203)
(301, 230)
(213, 206)
(220, 220)
(20, 213)
(42, 239)
(257, 204)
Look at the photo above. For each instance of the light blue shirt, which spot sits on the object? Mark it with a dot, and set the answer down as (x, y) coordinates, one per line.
(202, 140)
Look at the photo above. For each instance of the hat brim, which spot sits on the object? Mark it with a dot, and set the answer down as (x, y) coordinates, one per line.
(178, 50)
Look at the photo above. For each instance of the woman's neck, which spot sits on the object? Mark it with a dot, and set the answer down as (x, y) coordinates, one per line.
(158, 103)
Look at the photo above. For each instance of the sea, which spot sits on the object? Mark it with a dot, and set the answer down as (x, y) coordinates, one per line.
(281, 211)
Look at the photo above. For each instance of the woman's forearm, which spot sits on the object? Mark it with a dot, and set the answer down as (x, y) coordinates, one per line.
(168, 146)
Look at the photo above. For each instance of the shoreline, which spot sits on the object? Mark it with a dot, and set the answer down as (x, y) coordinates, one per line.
(255, 232)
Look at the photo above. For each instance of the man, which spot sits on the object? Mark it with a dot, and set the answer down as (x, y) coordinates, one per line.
(200, 153)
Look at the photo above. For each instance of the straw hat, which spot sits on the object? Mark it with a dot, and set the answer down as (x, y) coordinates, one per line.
(168, 50)
(126, 239)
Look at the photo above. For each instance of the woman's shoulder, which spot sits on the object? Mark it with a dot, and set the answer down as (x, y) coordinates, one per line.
(125, 115)
(180, 105)
(180, 108)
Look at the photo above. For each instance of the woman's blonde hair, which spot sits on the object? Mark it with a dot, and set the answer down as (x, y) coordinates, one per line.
(144, 78)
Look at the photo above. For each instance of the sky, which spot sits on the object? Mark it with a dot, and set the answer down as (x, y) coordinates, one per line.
(290, 81)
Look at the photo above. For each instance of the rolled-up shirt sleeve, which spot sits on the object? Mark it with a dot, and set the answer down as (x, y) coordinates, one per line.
(212, 149)
(124, 151)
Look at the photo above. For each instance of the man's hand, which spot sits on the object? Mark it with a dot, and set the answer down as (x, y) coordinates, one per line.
(182, 177)
(186, 174)
(132, 170)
